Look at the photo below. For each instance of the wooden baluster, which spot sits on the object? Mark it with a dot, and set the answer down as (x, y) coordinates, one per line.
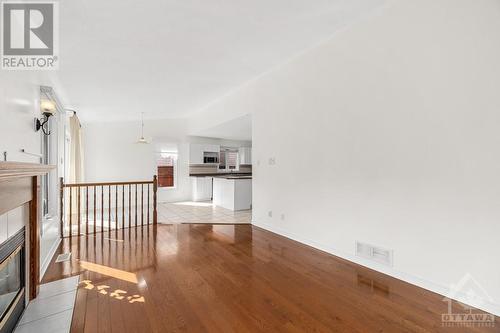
(152, 207)
(87, 210)
(102, 209)
(142, 205)
(70, 211)
(155, 203)
(61, 205)
(123, 206)
(116, 208)
(95, 219)
(109, 208)
(79, 212)
(136, 205)
(130, 206)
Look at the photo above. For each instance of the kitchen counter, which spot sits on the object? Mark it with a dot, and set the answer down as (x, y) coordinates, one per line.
(204, 185)
(233, 193)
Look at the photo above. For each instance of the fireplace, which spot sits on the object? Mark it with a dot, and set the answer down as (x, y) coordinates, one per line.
(12, 280)
(20, 247)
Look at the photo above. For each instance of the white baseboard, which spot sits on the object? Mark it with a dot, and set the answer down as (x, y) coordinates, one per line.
(48, 259)
(485, 305)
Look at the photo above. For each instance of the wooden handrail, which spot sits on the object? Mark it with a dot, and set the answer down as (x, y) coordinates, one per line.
(108, 183)
(113, 215)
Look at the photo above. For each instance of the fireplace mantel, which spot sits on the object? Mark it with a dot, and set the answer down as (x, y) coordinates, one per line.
(20, 185)
(10, 170)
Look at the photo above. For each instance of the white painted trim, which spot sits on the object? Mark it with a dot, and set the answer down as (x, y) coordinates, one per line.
(444, 291)
(48, 259)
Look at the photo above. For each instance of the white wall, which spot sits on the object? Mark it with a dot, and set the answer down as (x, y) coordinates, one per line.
(111, 153)
(389, 134)
(19, 100)
(19, 105)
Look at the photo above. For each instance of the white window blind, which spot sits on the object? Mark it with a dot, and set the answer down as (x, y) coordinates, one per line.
(232, 159)
(166, 160)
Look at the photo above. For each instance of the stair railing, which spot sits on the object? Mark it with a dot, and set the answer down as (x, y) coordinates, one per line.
(121, 205)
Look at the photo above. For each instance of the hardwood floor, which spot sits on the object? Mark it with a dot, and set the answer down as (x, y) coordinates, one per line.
(225, 278)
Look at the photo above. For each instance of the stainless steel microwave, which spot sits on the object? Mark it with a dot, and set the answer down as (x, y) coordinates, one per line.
(210, 159)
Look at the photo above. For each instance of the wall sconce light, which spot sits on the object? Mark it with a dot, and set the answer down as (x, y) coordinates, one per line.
(48, 109)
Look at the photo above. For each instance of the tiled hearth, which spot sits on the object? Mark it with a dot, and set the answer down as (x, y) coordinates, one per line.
(52, 310)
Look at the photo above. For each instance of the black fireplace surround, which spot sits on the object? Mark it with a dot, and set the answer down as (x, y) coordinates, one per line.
(12, 281)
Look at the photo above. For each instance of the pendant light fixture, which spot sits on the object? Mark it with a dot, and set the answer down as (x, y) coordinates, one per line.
(142, 140)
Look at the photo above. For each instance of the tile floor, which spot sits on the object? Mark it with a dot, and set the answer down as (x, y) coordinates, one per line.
(200, 212)
(52, 310)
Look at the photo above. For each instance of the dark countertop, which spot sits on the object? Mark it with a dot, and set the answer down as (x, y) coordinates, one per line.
(223, 174)
(235, 177)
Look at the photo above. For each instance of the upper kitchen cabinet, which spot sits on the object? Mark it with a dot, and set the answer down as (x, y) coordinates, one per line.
(211, 148)
(245, 155)
(197, 152)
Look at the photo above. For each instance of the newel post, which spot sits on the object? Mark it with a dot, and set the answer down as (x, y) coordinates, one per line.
(155, 203)
(61, 204)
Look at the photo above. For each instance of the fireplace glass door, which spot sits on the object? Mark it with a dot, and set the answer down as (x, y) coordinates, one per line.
(11, 280)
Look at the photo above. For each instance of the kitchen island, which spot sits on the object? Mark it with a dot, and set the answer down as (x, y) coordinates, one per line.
(233, 192)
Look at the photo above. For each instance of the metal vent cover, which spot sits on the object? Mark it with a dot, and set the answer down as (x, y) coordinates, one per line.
(63, 257)
(374, 253)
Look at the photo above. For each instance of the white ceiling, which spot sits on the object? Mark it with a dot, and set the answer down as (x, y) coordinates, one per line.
(170, 58)
(235, 129)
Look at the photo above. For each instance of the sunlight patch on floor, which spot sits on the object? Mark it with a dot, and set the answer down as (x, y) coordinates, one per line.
(117, 294)
(113, 272)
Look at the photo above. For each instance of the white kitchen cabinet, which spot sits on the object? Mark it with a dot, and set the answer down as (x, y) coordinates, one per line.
(196, 152)
(202, 189)
(245, 155)
(211, 148)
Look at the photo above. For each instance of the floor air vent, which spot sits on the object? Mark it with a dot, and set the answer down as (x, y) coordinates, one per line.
(374, 253)
(63, 257)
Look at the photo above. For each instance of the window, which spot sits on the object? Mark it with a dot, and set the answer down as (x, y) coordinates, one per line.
(232, 160)
(46, 179)
(167, 169)
(50, 152)
(53, 152)
(228, 159)
(222, 160)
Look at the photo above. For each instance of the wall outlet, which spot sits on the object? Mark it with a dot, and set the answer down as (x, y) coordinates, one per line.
(270, 213)
(272, 160)
(282, 217)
